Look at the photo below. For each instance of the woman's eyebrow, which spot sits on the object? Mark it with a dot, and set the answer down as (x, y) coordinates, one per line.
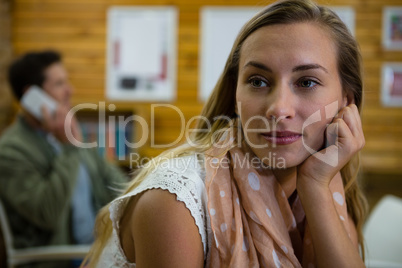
(257, 65)
(305, 67)
(298, 68)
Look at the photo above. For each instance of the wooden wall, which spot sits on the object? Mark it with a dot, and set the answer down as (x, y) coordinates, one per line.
(7, 110)
(78, 29)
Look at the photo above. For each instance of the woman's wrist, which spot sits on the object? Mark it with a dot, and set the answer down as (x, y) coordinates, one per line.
(312, 189)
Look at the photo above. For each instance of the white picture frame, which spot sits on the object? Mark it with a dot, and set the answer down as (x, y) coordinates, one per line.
(391, 85)
(141, 53)
(219, 28)
(347, 15)
(392, 28)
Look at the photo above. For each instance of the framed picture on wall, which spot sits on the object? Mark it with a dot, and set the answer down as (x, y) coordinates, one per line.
(347, 15)
(391, 89)
(219, 28)
(141, 53)
(392, 28)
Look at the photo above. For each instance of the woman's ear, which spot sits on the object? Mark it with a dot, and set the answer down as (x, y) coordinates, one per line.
(348, 98)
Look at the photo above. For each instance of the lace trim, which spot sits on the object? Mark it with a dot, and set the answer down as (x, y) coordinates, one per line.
(114, 258)
(185, 183)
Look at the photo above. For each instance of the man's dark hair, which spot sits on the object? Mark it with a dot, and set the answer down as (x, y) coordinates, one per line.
(29, 70)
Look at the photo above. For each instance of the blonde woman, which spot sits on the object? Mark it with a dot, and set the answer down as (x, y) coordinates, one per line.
(273, 182)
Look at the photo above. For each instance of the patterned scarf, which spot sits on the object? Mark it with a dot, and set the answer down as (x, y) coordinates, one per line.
(252, 222)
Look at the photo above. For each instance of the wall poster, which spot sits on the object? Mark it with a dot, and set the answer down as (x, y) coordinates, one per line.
(392, 28)
(391, 91)
(141, 53)
(347, 15)
(219, 29)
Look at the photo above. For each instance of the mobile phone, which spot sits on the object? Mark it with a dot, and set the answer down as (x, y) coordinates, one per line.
(33, 100)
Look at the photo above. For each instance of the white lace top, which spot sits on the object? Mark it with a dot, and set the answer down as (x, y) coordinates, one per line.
(184, 177)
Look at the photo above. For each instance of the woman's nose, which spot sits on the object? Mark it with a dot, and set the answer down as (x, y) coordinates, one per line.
(281, 104)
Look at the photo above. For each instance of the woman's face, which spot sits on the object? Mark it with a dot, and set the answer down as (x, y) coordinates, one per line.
(288, 90)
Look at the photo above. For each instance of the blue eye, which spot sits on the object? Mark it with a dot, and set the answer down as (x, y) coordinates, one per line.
(257, 82)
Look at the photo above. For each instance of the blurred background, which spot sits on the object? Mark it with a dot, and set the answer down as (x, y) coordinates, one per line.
(78, 29)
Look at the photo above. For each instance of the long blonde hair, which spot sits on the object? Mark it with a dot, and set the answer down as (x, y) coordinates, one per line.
(221, 104)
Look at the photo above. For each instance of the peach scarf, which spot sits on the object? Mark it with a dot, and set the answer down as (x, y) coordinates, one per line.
(252, 222)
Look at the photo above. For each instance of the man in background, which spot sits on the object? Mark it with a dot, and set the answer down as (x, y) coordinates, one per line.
(50, 188)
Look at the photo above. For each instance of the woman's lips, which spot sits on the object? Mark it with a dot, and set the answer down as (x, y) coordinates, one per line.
(281, 137)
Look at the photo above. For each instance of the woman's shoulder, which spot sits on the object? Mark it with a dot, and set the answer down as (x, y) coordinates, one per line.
(182, 178)
(191, 166)
(179, 175)
(158, 217)
(184, 173)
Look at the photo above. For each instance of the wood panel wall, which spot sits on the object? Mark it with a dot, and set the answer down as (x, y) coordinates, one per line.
(78, 29)
(7, 110)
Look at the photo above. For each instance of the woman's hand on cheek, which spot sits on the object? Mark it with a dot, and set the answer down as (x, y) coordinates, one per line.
(344, 138)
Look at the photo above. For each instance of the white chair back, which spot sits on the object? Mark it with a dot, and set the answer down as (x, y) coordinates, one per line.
(383, 234)
(26, 255)
(5, 228)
